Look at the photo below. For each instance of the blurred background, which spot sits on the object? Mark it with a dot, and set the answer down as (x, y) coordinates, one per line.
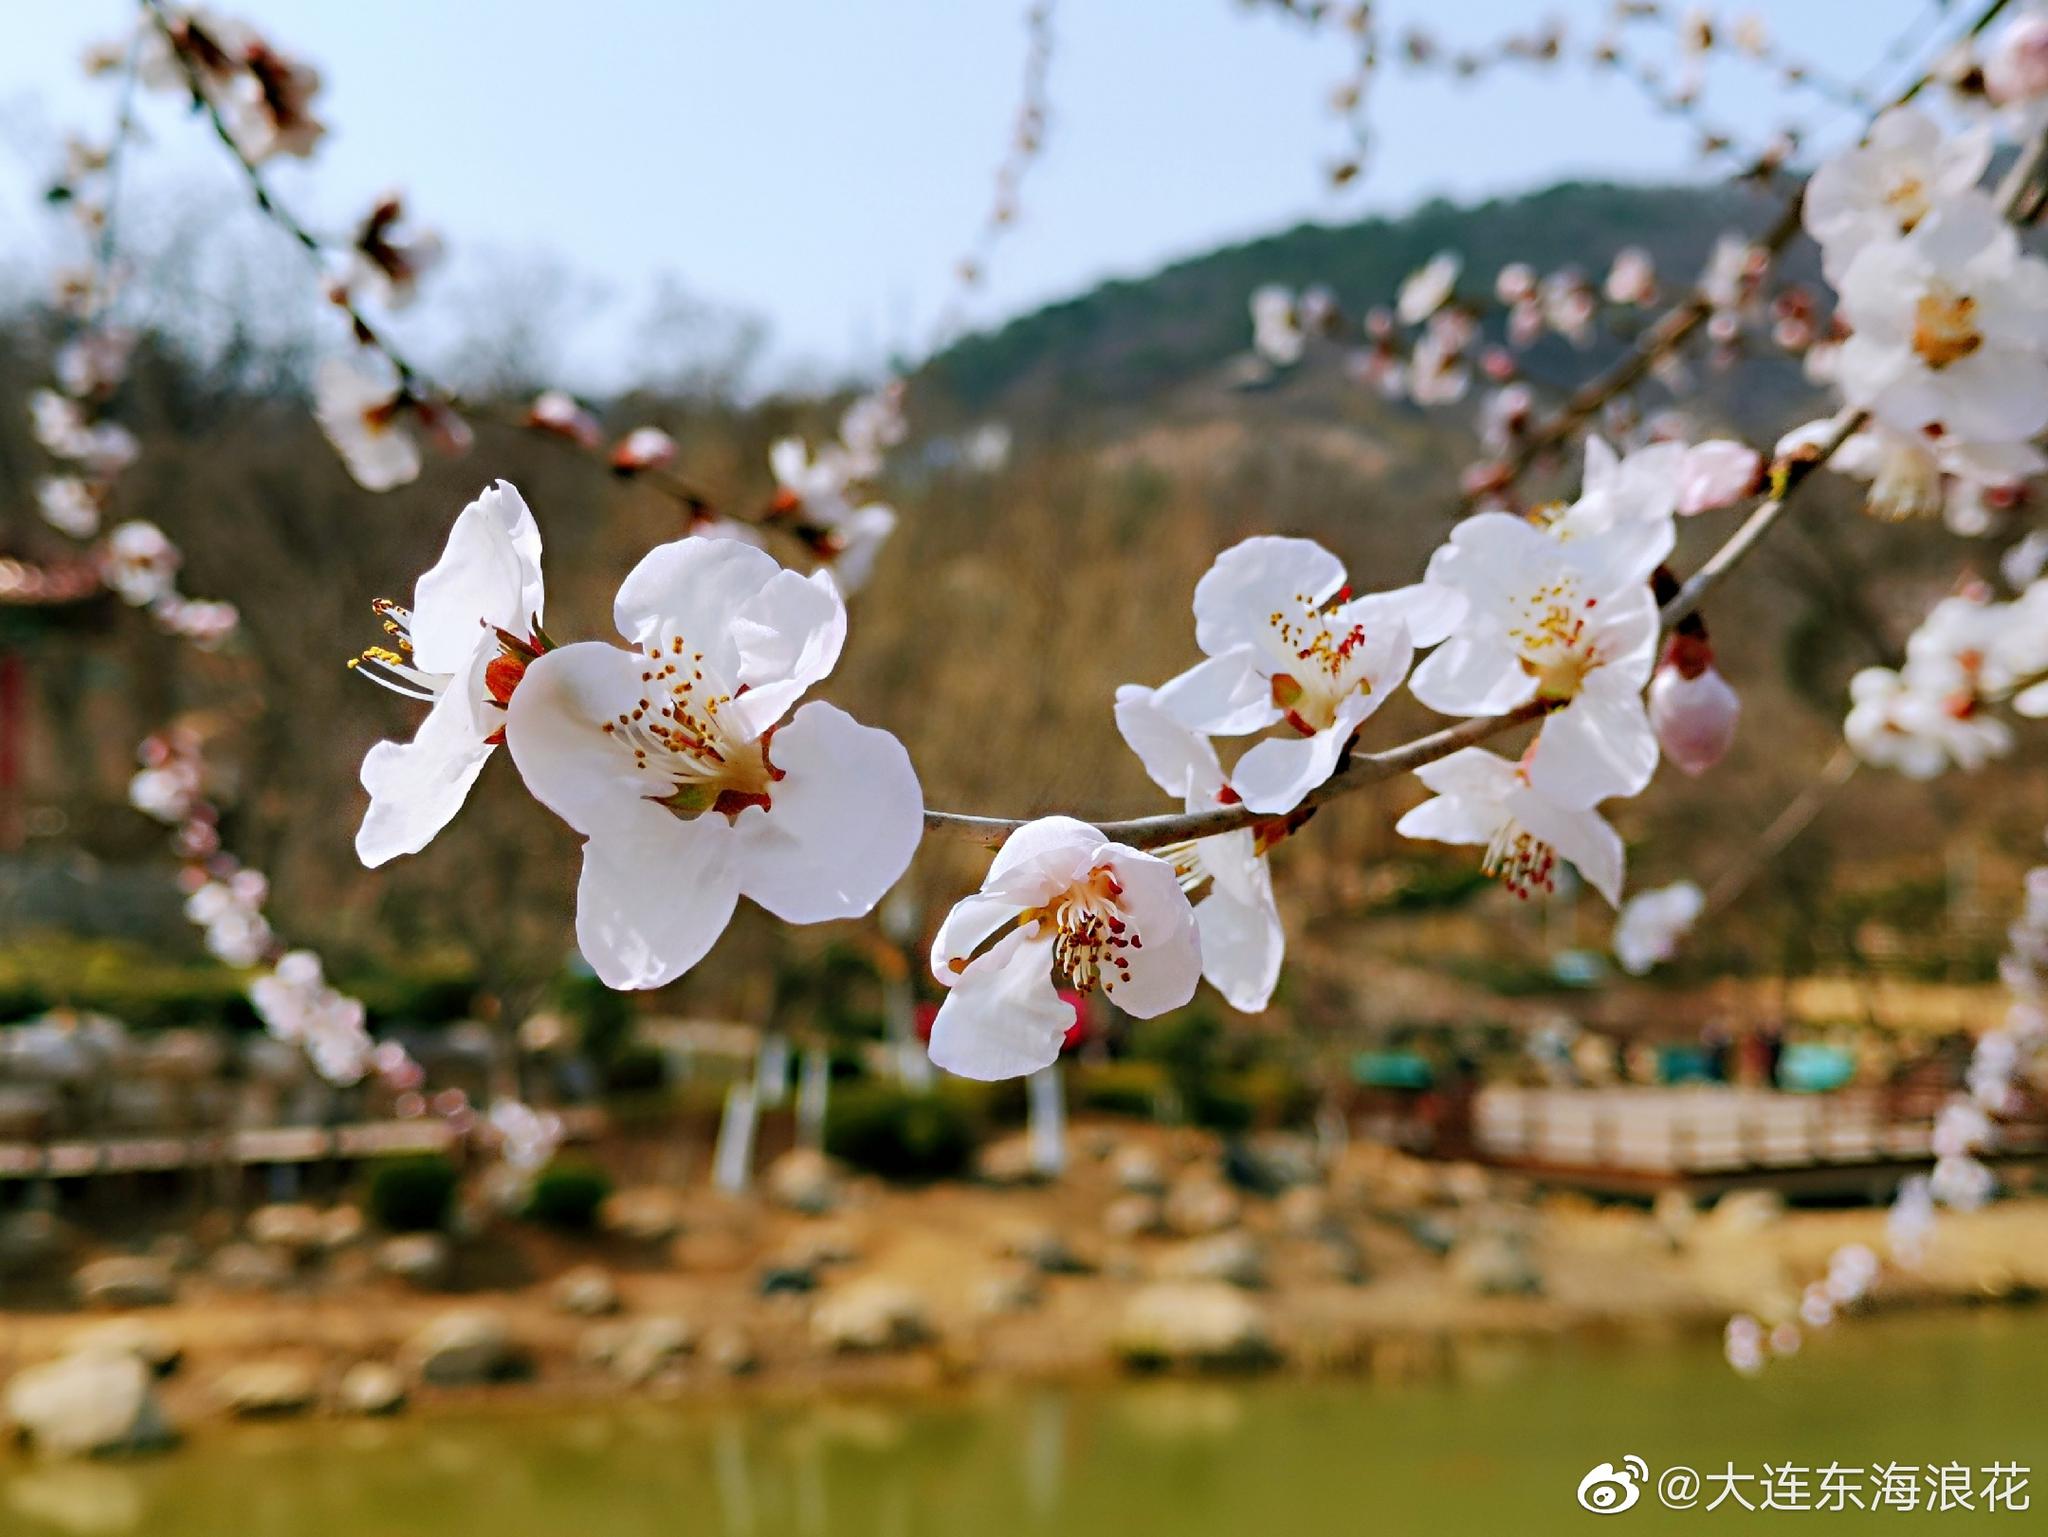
(1458, 1134)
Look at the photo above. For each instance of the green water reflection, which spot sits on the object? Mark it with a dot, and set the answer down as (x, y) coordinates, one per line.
(1499, 1449)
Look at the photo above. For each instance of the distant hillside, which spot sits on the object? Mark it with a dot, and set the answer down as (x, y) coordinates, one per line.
(1127, 345)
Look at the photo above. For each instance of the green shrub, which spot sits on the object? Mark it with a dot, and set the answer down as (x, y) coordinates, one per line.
(567, 1195)
(413, 1194)
(636, 1070)
(1119, 1088)
(899, 1134)
(1222, 1108)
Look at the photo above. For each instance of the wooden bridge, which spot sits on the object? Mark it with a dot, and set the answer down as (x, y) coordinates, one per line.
(1698, 1138)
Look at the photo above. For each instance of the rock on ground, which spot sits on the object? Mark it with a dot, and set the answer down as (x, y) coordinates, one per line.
(297, 1228)
(126, 1281)
(136, 1337)
(1043, 1245)
(467, 1347)
(1193, 1323)
(267, 1389)
(418, 1259)
(646, 1215)
(1200, 1204)
(587, 1291)
(1234, 1258)
(250, 1267)
(649, 1346)
(873, 1314)
(1138, 1171)
(84, 1405)
(1494, 1265)
(1008, 1162)
(804, 1181)
(731, 1349)
(370, 1387)
(1134, 1216)
(1012, 1289)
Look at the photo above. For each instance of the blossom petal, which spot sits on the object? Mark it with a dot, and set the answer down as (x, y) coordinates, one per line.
(1471, 773)
(488, 575)
(1600, 744)
(967, 927)
(1160, 973)
(1228, 695)
(695, 588)
(1181, 762)
(789, 635)
(654, 895)
(1251, 580)
(417, 787)
(845, 820)
(1003, 1018)
(1277, 773)
(555, 728)
(1429, 612)
(1474, 673)
(1243, 946)
(1582, 836)
(1043, 857)
(1452, 819)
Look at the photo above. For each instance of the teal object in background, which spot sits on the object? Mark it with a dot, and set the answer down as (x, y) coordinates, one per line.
(1684, 1064)
(1392, 1070)
(1810, 1068)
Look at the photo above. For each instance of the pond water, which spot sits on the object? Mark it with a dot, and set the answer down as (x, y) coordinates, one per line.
(1500, 1447)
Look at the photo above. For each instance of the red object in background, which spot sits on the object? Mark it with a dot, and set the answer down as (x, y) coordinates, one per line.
(922, 1021)
(1077, 1032)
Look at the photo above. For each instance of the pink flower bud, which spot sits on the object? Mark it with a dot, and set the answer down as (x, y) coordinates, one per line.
(1694, 717)
(2017, 67)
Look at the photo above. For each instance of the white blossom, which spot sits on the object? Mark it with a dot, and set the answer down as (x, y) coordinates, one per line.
(68, 505)
(1570, 621)
(364, 413)
(675, 762)
(1949, 326)
(1906, 168)
(1483, 799)
(1429, 288)
(1653, 924)
(1103, 914)
(462, 648)
(1287, 643)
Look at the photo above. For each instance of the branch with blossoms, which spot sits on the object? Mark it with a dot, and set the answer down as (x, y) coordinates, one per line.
(686, 757)
(683, 761)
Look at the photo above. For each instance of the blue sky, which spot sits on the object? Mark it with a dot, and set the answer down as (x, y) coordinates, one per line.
(823, 162)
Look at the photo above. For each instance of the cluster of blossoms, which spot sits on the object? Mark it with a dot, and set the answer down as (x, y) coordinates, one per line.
(1938, 710)
(1749, 1344)
(1966, 1128)
(1435, 341)
(70, 422)
(1557, 617)
(1941, 333)
(1431, 341)
(297, 1005)
(264, 97)
(682, 757)
(817, 494)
